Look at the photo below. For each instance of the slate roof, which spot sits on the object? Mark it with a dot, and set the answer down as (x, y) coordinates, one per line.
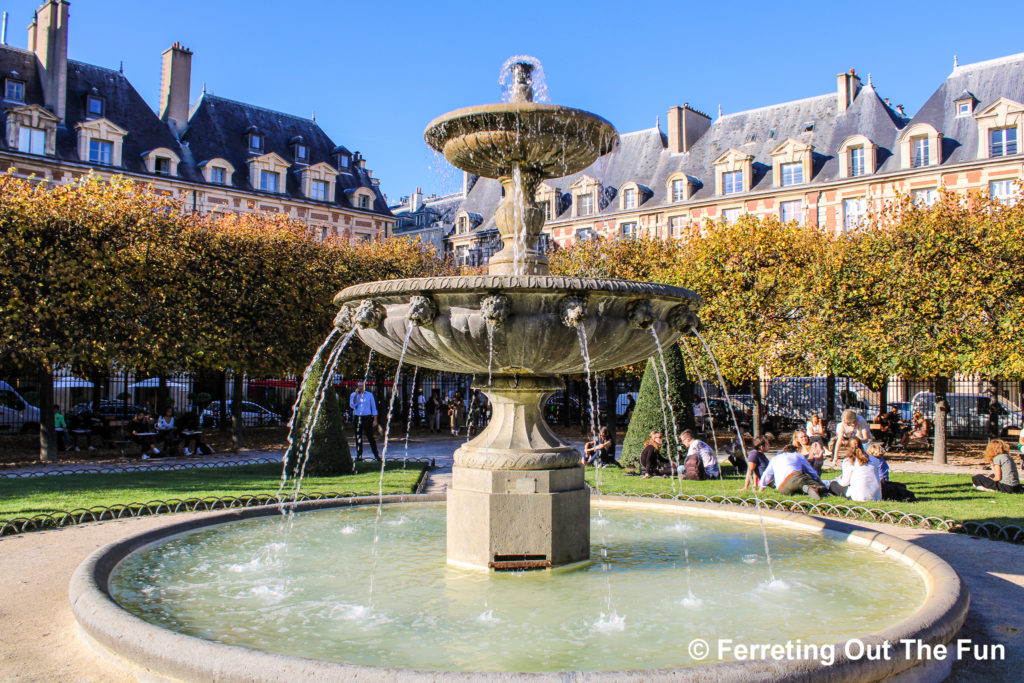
(443, 208)
(216, 128)
(987, 81)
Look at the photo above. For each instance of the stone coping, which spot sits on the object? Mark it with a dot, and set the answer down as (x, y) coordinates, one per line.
(155, 653)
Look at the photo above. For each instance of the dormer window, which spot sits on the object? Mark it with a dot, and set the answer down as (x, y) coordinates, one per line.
(856, 161)
(162, 166)
(585, 204)
(217, 175)
(255, 142)
(318, 190)
(94, 106)
(963, 109)
(301, 152)
(918, 152)
(364, 202)
(101, 152)
(629, 198)
(964, 104)
(1002, 142)
(269, 181)
(344, 160)
(792, 173)
(14, 90)
(732, 182)
(920, 146)
(678, 190)
(31, 140)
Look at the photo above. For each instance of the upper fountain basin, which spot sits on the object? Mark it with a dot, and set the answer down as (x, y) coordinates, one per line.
(546, 139)
(534, 321)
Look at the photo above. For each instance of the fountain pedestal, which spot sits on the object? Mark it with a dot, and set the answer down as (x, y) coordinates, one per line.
(518, 497)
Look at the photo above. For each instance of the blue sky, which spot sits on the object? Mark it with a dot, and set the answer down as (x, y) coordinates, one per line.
(377, 72)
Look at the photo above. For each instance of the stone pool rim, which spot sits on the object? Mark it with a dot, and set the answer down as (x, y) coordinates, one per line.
(153, 652)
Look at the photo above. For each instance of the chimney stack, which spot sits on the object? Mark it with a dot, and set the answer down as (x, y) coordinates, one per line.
(685, 126)
(3, 31)
(416, 201)
(48, 39)
(175, 87)
(847, 86)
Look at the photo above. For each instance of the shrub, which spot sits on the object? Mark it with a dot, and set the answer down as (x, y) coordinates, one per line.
(649, 415)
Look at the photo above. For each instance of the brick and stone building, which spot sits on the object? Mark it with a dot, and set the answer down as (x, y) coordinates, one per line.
(62, 119)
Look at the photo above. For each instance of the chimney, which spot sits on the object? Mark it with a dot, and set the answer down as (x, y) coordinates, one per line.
(847, 87)
(48, 39)
(3, 31)
(468, 181)
(416, 201)
(685, 126)
(175, 86)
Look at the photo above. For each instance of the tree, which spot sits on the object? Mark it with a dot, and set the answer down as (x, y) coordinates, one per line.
(325, 445)
(652, 412)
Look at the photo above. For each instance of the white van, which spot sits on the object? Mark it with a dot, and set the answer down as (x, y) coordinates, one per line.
(16, 415)
(969, 413)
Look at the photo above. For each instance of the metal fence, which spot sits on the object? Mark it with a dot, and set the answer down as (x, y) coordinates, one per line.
(979, 408)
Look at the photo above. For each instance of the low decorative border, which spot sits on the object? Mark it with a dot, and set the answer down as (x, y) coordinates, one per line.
(990, 530)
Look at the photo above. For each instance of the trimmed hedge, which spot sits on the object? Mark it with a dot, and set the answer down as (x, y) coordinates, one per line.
(329, 452)
(648, 414)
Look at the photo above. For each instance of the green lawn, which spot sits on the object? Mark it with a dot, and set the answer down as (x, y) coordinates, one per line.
(938, 495)
(36, 495)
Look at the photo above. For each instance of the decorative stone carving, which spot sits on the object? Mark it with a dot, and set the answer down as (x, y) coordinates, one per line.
(495, 309)
(641, 315)
(682, 319)
(422, 311)
(344, 320)
(369, 314)
(574, 311)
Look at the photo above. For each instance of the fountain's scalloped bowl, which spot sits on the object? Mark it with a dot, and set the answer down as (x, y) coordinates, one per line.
(550, 140)
(533, 317)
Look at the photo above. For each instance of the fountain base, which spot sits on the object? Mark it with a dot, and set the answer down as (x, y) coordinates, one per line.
(518, 519)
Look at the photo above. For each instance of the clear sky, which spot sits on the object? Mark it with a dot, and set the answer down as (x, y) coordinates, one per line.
(377, 71)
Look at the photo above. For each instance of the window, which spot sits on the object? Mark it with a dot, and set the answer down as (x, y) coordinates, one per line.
(629, 198)
(1003, 190)
(94, 106)
(854, 211)
(925, 197)
(731, 215)
(732, 182)
(918, 152)
(217, 175)
(856, 162)
(14, 90)
(963, 109)
(344, 160)
(101, 152)
(318, 190)
(675, 226)
(586, 234)
(792, 174)
(301, 152)
(678, 190)
(585, 207)
(255, 142)
(268, 181)
(462, 225)
(364, 202)
(547, 209)
(628, 230)
(162, 166)
(1002, 141)
(792, 212)
(31, 140)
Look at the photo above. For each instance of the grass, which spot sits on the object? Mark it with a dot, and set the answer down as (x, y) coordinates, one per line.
(938, 495)
(42, 495)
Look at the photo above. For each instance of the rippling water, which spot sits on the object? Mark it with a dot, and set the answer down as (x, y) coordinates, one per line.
(303, 592)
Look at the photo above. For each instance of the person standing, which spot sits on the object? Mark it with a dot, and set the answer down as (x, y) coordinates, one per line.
(433, 411)
(60, 427)
(364, 409)
(700, 415)
(421, 404)
(456, 412)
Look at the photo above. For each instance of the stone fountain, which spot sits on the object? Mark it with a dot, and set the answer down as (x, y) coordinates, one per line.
(518, 497)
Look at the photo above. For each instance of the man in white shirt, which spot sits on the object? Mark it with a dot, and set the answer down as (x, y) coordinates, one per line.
(791, 473)
(364, 408)
(697, 448)
(852, 425)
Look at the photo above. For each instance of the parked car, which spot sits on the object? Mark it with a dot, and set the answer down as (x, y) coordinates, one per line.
(253, 415)
(110, 409)
(16, 415)
(793, 399)
(969, 413)
(718, 408)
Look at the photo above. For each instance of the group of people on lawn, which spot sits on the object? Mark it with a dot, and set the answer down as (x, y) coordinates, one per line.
(797, 467)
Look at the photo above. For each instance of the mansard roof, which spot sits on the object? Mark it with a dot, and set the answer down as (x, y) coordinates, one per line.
(987, 81)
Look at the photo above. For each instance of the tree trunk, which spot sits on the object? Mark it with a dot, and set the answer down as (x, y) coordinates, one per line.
(941, 411)
(611, 399)
(162, 395)
(755, 413)
(236, 413)
(47, 434)
(222, 418)
(830, 398)
(883, 398)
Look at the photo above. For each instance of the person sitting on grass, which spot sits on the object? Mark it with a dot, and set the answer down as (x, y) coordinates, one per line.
(791, 473)
(651, 462)
(859, 480)
(757, 462)
(1004, 477)
(696, 447)
(601, 451)
(891, 490)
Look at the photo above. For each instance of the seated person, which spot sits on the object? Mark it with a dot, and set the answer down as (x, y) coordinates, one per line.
(696, 447)
(81, 426)
(891, 490)
(1004, 477)
(892, 426)
(140, 430)
(600, 452)
(757, 462)
(918, 431)
(651, 462)
(859, 480)
(191, 434)
(850, 426)
(167, 433)
(791, 473)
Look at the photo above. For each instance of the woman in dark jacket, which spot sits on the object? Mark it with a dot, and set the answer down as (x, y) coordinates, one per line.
(651, 462)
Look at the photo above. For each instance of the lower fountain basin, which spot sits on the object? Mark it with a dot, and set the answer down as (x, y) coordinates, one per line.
(239, 610)
(528, 314)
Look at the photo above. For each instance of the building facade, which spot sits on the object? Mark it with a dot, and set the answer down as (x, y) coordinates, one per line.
(63, 119)
(825, 161)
